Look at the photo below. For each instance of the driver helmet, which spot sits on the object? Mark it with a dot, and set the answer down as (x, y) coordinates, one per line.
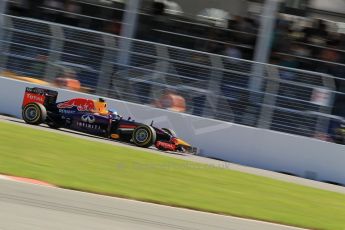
(114, 112)
(101, 106)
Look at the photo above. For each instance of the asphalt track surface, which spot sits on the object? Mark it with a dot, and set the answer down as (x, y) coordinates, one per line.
(32, 207)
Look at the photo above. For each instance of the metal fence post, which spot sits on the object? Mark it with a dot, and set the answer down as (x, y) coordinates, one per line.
(162, 66)
(107, 66)
(56, 47)
(129, 25)
(4, 41)
(263, 44)
(215, 83)
(3, 8)
(269, 101)
(323, 122)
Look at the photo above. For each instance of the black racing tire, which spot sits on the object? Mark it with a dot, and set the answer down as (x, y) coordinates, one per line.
(34, 114)
(170, 131)
(144, 136)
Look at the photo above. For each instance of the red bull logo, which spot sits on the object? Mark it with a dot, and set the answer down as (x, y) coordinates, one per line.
(81, 104)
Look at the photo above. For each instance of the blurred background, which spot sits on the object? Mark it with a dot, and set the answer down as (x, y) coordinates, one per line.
(273, 64)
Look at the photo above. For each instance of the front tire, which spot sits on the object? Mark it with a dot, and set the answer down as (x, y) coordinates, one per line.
(34, 113)
(170, 131)
(144, 136)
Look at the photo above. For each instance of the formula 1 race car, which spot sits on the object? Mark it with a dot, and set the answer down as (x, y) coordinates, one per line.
(93, 117)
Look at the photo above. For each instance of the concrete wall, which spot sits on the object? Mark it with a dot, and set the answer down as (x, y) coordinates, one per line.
(259, 148)
(334, 6)
(337, 6)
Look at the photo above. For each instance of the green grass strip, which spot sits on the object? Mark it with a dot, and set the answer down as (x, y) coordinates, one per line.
(80, 164)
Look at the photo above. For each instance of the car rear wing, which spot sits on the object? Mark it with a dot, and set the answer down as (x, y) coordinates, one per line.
(39, 95)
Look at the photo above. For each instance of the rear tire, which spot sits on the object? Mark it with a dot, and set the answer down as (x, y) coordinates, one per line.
(144, 136)
(34, 113)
